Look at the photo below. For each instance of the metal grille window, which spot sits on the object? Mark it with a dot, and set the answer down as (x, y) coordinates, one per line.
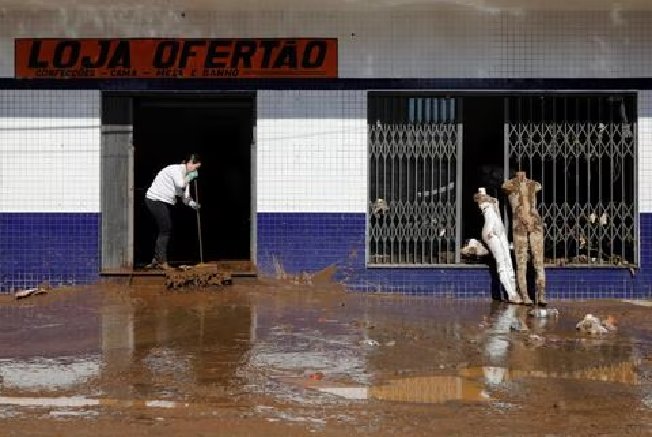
(582, 149)
(414, 154)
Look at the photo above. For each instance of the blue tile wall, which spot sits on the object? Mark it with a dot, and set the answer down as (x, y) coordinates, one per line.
(62, 248)
(301, 242)
(307, 242)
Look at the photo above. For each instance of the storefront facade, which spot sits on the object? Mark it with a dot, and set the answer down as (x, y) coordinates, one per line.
(417, 105)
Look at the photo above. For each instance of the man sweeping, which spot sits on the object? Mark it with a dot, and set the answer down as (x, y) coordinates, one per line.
(171, 182)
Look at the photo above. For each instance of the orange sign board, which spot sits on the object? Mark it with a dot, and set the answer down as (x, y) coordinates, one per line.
(158, 58)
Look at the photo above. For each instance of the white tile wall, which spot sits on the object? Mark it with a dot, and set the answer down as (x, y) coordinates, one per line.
(390, 42)
(645, 151)
(312, 151)
(311, 144)
(49, 151)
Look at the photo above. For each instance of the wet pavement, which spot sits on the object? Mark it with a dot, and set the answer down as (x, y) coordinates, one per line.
(274, 358)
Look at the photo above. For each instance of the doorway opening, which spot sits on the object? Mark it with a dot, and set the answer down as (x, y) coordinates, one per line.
(483, 163)
(220, 129)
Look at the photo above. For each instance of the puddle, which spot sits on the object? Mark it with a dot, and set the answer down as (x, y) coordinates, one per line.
(81, 402)
(74, 414)
(622, 373)
(647, 401)
(430, 389)
(641, 303)
(314, 358)
(48, 373)
(472, 384)
(352, 393)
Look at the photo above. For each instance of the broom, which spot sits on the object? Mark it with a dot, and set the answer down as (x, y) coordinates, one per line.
(201, 248)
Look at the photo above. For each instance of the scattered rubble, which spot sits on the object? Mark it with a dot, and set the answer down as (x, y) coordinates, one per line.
(42, 288)
(544, 312)
(200, 276)
(518, 326)
(594, 326)
(317, 376)
(369, 342)
(474, 248)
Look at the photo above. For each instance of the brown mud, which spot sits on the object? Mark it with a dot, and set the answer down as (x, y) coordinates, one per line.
(277, 357)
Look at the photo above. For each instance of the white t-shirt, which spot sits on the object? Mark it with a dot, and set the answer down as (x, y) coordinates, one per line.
(168, 183)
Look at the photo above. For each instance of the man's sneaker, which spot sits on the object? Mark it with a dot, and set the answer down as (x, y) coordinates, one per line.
(153, 265)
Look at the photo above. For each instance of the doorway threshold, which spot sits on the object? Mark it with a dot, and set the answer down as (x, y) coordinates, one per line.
(237, 268)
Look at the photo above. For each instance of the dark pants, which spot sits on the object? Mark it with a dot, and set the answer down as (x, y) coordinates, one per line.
(163, 216)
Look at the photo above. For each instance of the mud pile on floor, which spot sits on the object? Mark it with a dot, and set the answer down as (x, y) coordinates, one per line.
(199, 276)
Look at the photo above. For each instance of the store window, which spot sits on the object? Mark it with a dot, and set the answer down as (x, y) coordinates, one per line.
(414, 144)
(582, 148)
(428, 154)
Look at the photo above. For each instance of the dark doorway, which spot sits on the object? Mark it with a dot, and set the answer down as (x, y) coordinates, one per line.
(482, 166)
(220, 129)
(483, 161)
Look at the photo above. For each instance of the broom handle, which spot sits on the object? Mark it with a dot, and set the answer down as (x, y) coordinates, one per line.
(201, 249)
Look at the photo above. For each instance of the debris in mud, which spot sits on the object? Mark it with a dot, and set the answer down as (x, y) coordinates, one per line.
(486, 323)
(647, 401)
(610, 323)
(42, 288)
(201, 276)
(518, 326)
(543, 313)
(594, 326)
(474, 247)
(560, 405)
(303, 278)
(362, 324)
(536, 340)
(369, 342)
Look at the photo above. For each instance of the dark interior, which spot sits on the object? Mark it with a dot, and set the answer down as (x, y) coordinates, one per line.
(166, 129)
(483, 164)
(483, 161)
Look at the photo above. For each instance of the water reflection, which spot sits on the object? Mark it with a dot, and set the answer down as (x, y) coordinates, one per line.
(515, 347)
(518, 346)
(166, 351)
(418, 389)
(50, 348)
(48, 373)
(430, 389)
(155, 349)
(177, 350)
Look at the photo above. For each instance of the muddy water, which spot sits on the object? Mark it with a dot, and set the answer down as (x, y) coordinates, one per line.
(271, 358)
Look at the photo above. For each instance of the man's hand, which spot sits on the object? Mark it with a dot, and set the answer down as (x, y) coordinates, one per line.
(194, 205)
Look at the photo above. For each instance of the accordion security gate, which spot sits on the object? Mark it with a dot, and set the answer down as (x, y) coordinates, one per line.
(583, 151)
(581, 148)
(414, 169)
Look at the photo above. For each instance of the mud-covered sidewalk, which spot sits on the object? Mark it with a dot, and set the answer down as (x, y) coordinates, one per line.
(272, 358)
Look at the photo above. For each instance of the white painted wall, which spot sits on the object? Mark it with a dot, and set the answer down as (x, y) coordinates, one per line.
(49, 151)
(312, 145)
(645, 151)
(312, 151)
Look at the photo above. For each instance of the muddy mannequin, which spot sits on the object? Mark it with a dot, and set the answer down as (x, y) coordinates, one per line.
(494, 236)
(527, 230)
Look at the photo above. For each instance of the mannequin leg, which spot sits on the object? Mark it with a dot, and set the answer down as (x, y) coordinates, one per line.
(521, 250)
(508, 260)
(505, 271)
(536, 242)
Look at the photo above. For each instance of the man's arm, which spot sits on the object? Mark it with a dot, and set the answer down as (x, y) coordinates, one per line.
(179, 177)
